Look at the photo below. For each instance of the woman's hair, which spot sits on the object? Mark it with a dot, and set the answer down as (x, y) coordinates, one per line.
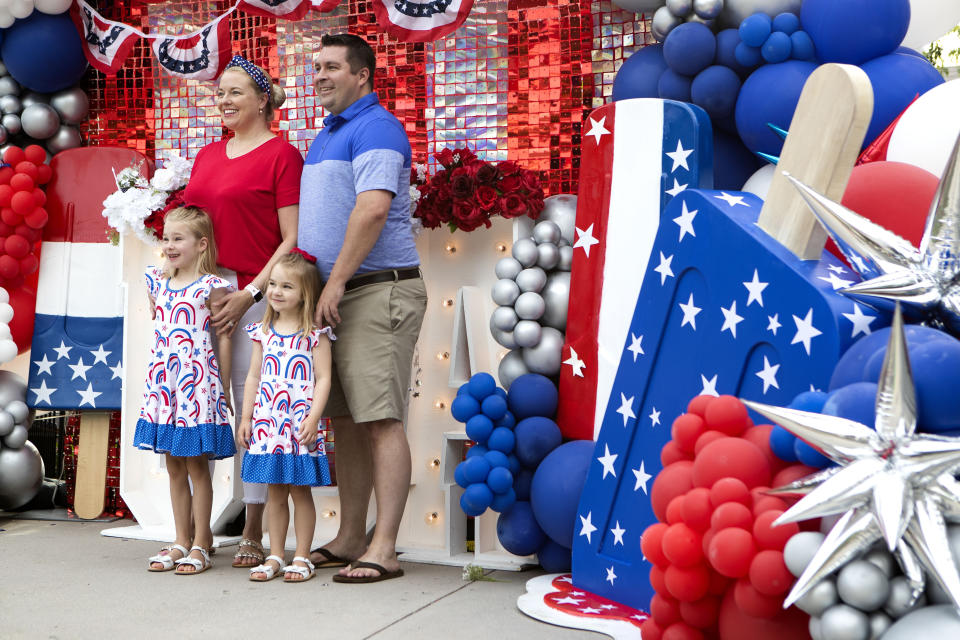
(199, 223)
(307, 276)
(275, 98)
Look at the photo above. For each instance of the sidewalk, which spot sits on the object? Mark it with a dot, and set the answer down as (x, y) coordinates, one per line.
(63, 580)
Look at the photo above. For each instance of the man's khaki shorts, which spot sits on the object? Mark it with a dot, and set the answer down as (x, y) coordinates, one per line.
(373, 352)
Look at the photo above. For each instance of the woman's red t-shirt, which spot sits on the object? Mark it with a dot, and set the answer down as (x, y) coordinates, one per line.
(242, 196)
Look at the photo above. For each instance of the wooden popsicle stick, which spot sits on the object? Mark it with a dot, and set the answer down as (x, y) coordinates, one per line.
(825, 137)
(88, 496)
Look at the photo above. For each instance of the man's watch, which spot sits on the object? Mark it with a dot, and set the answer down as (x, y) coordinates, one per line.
(256, 293)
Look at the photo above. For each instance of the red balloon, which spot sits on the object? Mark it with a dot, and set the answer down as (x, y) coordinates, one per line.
(44, 173)
(681, 545)
(731, 551)
(657, 579)
(37, 218)
(729, 490)
(727, 415)
(686, 429)
(681, 631)
(35, 153)
(699, 405)
(6, 194)
(13, 155)
(734, 624)
(22, 202)
(9, 266)
(39, 197)
(671, 453)
(762, 504)
(5, 230)
(10, 216)
(687, 584)
(675, 510)
(760, 436)
(768, 536)
(755, 603)
(706, 438)
(789, 474)
(674, 480)
(27, 168)
(732, 514)
(719, 584)
(697, 509)
(22, 182)
(650, 630)
(16, 247)
(731, 457)
(5, 174)
(23, 299)
(28, 232)
(769, 575)
(664, 609)
(651, 543)
(702, 613)
(29, 264)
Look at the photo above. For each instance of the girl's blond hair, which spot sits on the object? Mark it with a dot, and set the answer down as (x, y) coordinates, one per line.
(308, 277)
(199, 223)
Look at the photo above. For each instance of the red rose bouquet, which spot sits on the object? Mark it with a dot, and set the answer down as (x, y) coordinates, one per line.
(466, 191)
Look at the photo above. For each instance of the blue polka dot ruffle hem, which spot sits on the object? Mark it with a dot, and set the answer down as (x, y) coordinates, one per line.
(286, 468)
(212, 440)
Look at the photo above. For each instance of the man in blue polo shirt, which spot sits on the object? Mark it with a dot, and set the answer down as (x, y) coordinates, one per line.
(355, 217)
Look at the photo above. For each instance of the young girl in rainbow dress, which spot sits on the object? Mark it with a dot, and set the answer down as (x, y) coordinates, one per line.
(285, 393)
(186, 400)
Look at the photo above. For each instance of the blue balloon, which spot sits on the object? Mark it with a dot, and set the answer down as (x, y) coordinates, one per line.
(715, 89)
(464, 407)
(782, 444)
(507, 421)
(462, 389)
(476, 450)
(44, 52)
(733, 164)
(503, 501)
(747, 56)
(690, 48)
(554, 558)
(897, 79)
(811, 401)
(521, 483)
(479, 428)
(458, 476)
(673, 86)
(786, 23)
(854, 31)
(532, 395)
(855, 401)
(910, 52)
(481, 385)
(502, 439)
(810, 456)
(755, 29)
(500, 479)
(494, 406)
(639, 74)
(801, 46)
(475, 469)
(518, 530)
(727, 41)
(770, 95)
(777, 48)
(497, 459)
(556, 487)
(536, 437)
(475, 499)
(859, 364)
(513, 463)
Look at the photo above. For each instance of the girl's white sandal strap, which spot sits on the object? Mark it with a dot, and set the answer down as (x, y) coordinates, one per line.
(305, 572)
(268, 569)
(165, 559)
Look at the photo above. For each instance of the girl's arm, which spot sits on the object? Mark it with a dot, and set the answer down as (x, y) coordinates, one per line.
(321, 391)
(251, 387)
(153, 306)
(224, 350)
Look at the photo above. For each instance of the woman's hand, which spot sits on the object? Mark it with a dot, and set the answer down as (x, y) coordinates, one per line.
(228, 310)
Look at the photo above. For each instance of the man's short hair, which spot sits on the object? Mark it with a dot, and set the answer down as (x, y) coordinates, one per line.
(359, 54)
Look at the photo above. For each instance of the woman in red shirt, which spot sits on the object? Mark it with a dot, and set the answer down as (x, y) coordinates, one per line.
(249, 184)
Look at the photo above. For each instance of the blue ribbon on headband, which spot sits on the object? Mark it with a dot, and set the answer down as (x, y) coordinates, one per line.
(259, 77)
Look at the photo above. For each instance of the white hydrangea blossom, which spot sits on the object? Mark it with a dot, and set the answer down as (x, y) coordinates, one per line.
(135, 199)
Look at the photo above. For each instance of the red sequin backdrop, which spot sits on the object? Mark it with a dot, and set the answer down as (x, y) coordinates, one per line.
(515, 81)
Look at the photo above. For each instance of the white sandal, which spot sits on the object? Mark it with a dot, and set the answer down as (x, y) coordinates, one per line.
(199, 566)
(165, 559)
(307, 572)
(267, 569)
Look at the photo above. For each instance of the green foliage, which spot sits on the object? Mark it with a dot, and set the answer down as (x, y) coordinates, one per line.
(937, 56)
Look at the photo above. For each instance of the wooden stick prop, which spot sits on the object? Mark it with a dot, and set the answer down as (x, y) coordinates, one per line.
(725, 308)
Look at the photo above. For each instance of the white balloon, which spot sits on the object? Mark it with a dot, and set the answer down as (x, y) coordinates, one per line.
(639, 6)
(4, 296)
(926, 131)
(759, 183)
(5, 4)
(21, 8)
(930, 19)
(8, 350)
(53, 7)
(5, 332)
(6, 20)
(6, 312)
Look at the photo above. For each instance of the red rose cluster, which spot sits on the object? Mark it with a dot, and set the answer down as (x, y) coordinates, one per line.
(468, 191)
(22, 215)
(718, 560)
(154, 221)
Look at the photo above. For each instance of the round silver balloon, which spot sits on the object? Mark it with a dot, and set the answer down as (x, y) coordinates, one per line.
(735, 11)
(679, 8)
(9, 86)
(821, 597)
(3, 69)
(11, 122)
(546, 231)
(18, 410)
(900, 602)
(507, 268)
(566, 259)
(15, 438)
(505, 292)
(842, 622)
(548, 256)
(4, 136)
(638, 6)
(707, 9)
(529, 306)
(527, 333)
(65, 138)
(663, 23)
(863, 585)
(879, 623)
(800, 549)
(545, 357)
(10, 104)
(561, 209)
(72, 105)
(814, 628)
(531, 279)
(511, 367)
(22, 473)
(938, 621)
(525, 251)
(6, 423)
(882, 559)
(32, 97)
(704, 21)
(504, 318)
(12, 387)
(504, 338)
(40, 121)
(556, 298)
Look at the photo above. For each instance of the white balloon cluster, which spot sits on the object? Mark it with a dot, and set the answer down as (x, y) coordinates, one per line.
(46, 118)
(11, 10)
(676, 12)
(8, 349)
(533, 292)
(21, 467)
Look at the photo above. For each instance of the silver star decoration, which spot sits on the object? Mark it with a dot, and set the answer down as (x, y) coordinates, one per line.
(892, 483)
(925, 281)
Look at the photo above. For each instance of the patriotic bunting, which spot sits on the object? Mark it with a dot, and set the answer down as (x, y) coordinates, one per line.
(199, 56)
(108, 43)
(420, 20)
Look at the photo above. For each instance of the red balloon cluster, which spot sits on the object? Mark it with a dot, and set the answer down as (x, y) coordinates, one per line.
(22, 215)
(716, 533)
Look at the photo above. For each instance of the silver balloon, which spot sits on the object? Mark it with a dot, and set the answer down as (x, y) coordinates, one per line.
(679, 8)
(638, 6)
(18, 410)
(546, 231)
(511, 367)
(504, 318)
(527, 333)
(707, 9)
(900, 602)
(530, 306)
(40, 121)
(505, 292)
(11, 122)
(12, 387)
(507, 268)
(841, 622)
(9, 86)
(3, 69)
(800, 549)
(561, 209)
(4, 136)
(939, 621)
(504, 338)
(531, 279)
(704, 21)
(10, 104)
(545, 357)
(65, 138)
(32, 97)
(566, 259)
(525, 251)
(15, 438)
(879, 623)
(6, 423)
(863, 585)
(22, 473)
(663, 23)
(734, 11)
(814, 628)
(548, 256)
(72, 105)
(556, 297)
(882, 559)
(819, 599)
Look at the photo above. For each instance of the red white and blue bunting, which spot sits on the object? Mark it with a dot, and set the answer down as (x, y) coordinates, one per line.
(420, 20)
